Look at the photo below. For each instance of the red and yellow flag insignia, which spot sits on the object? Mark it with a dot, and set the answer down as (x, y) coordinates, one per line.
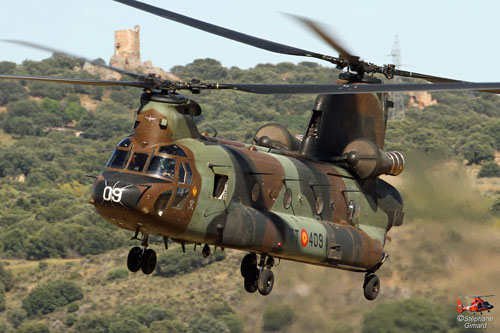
(304, 238)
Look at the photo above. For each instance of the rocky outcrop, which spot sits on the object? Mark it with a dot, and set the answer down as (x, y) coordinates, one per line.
(420, 100)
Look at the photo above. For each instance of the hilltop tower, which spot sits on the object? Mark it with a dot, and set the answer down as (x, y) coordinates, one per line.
(397, 97)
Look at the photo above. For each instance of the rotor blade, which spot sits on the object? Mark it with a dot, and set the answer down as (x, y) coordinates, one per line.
(223, 32)
(336, 89)
(88, 82)
(69, 55)
(335, 44)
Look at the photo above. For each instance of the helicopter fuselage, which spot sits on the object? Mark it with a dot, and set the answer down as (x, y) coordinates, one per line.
(167, 179)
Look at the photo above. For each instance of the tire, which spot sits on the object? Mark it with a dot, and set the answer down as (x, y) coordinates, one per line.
(248, 264)
(148, 261)
(266, 282)
(251, 285)
(134, 259)
(371, 287)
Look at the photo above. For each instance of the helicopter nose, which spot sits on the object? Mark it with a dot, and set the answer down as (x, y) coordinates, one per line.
(116, 193)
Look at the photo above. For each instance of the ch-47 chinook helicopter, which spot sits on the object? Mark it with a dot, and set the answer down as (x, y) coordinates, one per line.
(318, 200)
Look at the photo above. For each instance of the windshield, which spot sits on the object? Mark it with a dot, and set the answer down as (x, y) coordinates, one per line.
(137, 162)
(118, 159)
(162, 166)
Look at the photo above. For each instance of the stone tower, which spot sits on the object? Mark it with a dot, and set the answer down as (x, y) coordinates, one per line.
(127, 49)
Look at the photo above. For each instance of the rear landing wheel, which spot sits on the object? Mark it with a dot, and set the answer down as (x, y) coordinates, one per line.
(371, 287)
(266, 282)
(134, 259)
(148, 261)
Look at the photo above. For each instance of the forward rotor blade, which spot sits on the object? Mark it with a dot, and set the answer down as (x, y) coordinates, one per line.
(328, 38)
(87, 82)
(69, 55)
(336, 89)
(223, 32)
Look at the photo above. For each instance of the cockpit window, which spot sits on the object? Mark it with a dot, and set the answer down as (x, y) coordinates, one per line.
(137, 162)
(172, 150)
(162, 166)
(118, 159)
(125, 142)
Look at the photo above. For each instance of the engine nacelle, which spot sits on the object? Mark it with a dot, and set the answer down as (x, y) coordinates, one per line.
(366, 160)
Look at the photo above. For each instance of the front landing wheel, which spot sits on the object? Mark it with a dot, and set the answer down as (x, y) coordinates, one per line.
(134, 259)
(266, 282)
(371, 287)
(148, 261)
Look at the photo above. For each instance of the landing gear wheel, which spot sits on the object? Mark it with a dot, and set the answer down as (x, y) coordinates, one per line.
(371, 287)
(266, 282)
(251, 285)
(248, 264)
(134, 259)
(148, 261)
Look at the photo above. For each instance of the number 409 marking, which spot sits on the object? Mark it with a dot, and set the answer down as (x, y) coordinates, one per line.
(112, 194)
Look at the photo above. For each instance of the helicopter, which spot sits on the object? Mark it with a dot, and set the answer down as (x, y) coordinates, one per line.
(317, 200)
(477, 305)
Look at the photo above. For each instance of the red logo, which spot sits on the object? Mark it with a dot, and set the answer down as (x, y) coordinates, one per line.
(304, 238)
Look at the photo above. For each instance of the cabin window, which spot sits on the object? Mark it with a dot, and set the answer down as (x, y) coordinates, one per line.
(118, 159)
(172, 150)
(180, 197)
(287, 198)
(320, 204)
(162, 166)
(137, 162)
(162, 202)
(220, 187)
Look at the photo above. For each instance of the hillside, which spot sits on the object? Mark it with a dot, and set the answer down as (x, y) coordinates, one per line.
(53, 136)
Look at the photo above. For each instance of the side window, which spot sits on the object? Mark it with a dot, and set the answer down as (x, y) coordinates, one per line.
(182, 173)
(137, 162)
(162, 166)
(118, 159)
(162, 202)
(180, 197)
(189, 173)
(220, 187)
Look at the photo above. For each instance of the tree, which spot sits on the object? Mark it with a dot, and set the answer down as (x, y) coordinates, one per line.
(75, 111)
(489, 169)
(203, 323)
(47, 297)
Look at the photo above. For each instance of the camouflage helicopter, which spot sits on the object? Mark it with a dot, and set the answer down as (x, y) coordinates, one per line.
(316, 200)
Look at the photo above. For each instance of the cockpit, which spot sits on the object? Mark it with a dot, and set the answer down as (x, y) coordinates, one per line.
(167, 161)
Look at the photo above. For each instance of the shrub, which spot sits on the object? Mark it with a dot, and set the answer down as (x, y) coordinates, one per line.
(489, 169)
(125, 325)
(410, 315)
(203, 323)
(50, 296)
(16, 316)
(147, 314)
(92, 324)
(6, 278)
(175, 262)
(167, 326)
(73, 307)
(33, 328)
(277, 317)
(118, 273)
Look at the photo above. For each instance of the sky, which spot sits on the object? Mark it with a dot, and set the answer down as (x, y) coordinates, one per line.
(455, 39)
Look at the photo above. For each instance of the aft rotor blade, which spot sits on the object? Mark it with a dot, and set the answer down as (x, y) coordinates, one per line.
(223, 32)
(328, 38)
(87, 82)
(492, 87)
(69, 55)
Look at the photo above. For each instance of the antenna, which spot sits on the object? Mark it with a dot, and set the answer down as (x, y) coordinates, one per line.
(397, 97)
